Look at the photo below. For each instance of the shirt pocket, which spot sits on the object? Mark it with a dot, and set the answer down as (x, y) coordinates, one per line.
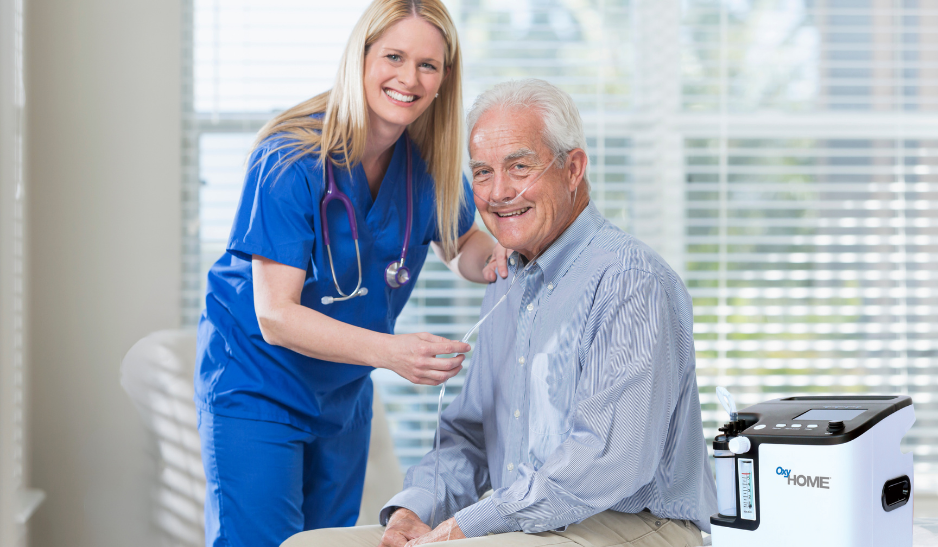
(550, 411)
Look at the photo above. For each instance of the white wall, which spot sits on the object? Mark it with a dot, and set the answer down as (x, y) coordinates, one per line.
(103, 165)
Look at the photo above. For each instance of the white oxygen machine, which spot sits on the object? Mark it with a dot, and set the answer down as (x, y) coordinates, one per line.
(815, 472)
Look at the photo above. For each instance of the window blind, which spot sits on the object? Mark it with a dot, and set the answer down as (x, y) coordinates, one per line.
(17, 502)
(810, 202)
(780, 155)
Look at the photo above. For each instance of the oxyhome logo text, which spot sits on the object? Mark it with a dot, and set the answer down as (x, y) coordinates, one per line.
(803, 480)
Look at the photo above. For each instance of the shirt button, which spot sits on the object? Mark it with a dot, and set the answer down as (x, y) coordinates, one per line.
(511, 261)
(517, 413)
(521, 360)
(530, 307)
(550, 286)
(511, 466)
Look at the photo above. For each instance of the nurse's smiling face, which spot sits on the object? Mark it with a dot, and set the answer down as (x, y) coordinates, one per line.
(403, 72)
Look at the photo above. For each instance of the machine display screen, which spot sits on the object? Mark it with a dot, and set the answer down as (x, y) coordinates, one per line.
(830, 414)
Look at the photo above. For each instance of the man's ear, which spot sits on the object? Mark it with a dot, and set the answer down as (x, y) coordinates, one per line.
(576, 167)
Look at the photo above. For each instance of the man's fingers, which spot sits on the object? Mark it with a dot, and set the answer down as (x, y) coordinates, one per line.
(393, 538)
(416, 531)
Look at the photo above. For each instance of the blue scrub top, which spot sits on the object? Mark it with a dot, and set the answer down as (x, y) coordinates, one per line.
(240, 375)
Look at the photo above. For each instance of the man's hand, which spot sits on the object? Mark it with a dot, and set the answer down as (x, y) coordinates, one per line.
(403, 526)
(444, 532)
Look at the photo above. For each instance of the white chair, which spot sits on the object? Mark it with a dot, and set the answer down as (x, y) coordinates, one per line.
(157, 373)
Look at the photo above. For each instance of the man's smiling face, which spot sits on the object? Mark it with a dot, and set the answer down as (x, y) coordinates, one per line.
(507, 155)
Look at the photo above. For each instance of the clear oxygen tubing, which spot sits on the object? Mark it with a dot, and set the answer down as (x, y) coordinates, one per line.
(439, 404)
(728, 402)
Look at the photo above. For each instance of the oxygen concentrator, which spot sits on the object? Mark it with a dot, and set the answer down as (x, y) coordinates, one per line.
(815, 472)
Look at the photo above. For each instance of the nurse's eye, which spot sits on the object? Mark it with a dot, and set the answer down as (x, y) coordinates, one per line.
(428, 67)
(394, 57)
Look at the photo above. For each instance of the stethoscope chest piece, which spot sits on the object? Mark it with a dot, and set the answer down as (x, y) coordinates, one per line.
(396, 275)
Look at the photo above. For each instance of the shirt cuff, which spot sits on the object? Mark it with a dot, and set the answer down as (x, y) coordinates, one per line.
(417, 500)
(483, 518)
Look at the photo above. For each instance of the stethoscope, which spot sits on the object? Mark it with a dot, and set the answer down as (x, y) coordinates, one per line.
(396, 275)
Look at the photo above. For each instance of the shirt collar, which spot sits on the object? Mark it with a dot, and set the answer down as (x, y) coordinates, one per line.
(555, 260)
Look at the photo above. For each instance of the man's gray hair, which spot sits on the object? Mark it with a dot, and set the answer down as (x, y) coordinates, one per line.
(563, 127)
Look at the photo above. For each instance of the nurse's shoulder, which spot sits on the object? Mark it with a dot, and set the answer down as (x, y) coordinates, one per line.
(278, 166)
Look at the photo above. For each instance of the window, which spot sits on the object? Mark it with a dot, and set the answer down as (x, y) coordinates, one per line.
(779, 155)
(17, 502)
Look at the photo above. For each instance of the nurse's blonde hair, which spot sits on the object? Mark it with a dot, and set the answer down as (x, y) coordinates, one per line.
(341, 132)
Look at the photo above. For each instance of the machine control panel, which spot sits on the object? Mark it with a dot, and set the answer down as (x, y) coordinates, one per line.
(792, 428)
(824, 420)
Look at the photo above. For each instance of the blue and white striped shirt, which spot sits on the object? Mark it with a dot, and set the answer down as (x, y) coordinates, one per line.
(581, 396)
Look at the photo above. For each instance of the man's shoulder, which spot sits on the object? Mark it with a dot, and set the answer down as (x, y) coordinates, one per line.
(624, 252)
(622, 256)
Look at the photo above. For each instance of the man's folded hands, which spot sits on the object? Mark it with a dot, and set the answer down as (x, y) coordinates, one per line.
(405, 529)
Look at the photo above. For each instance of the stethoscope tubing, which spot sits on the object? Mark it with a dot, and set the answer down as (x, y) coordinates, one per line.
(396, 274)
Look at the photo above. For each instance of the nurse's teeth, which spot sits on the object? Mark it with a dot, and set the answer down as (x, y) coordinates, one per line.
(398, 97)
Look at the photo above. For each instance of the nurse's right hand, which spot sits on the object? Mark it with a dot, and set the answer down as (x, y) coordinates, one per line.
(414, 357)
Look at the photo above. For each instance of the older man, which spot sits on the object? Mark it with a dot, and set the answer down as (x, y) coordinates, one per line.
(580, 409)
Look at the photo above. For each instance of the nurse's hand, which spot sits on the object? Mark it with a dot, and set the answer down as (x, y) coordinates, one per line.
(497, 264)
(414, 357)
(403, 526)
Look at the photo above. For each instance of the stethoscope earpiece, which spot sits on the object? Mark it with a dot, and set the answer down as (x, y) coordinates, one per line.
(326, 300)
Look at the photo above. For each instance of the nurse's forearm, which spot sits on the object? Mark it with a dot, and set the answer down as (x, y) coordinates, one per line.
(285, 322)
(475, 248)
(412, 356)
(306, 331)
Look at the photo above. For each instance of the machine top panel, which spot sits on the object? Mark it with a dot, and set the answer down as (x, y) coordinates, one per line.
(818, 420)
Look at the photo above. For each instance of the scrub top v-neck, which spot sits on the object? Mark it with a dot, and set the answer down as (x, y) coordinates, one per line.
(240, 375)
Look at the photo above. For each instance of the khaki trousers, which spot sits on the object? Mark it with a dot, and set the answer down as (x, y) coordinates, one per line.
(607, 529)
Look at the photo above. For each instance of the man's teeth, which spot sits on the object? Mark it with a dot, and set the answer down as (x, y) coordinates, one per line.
(513, 213)
(398, 97)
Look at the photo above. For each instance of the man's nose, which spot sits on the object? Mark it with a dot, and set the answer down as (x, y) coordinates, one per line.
(502, 188)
